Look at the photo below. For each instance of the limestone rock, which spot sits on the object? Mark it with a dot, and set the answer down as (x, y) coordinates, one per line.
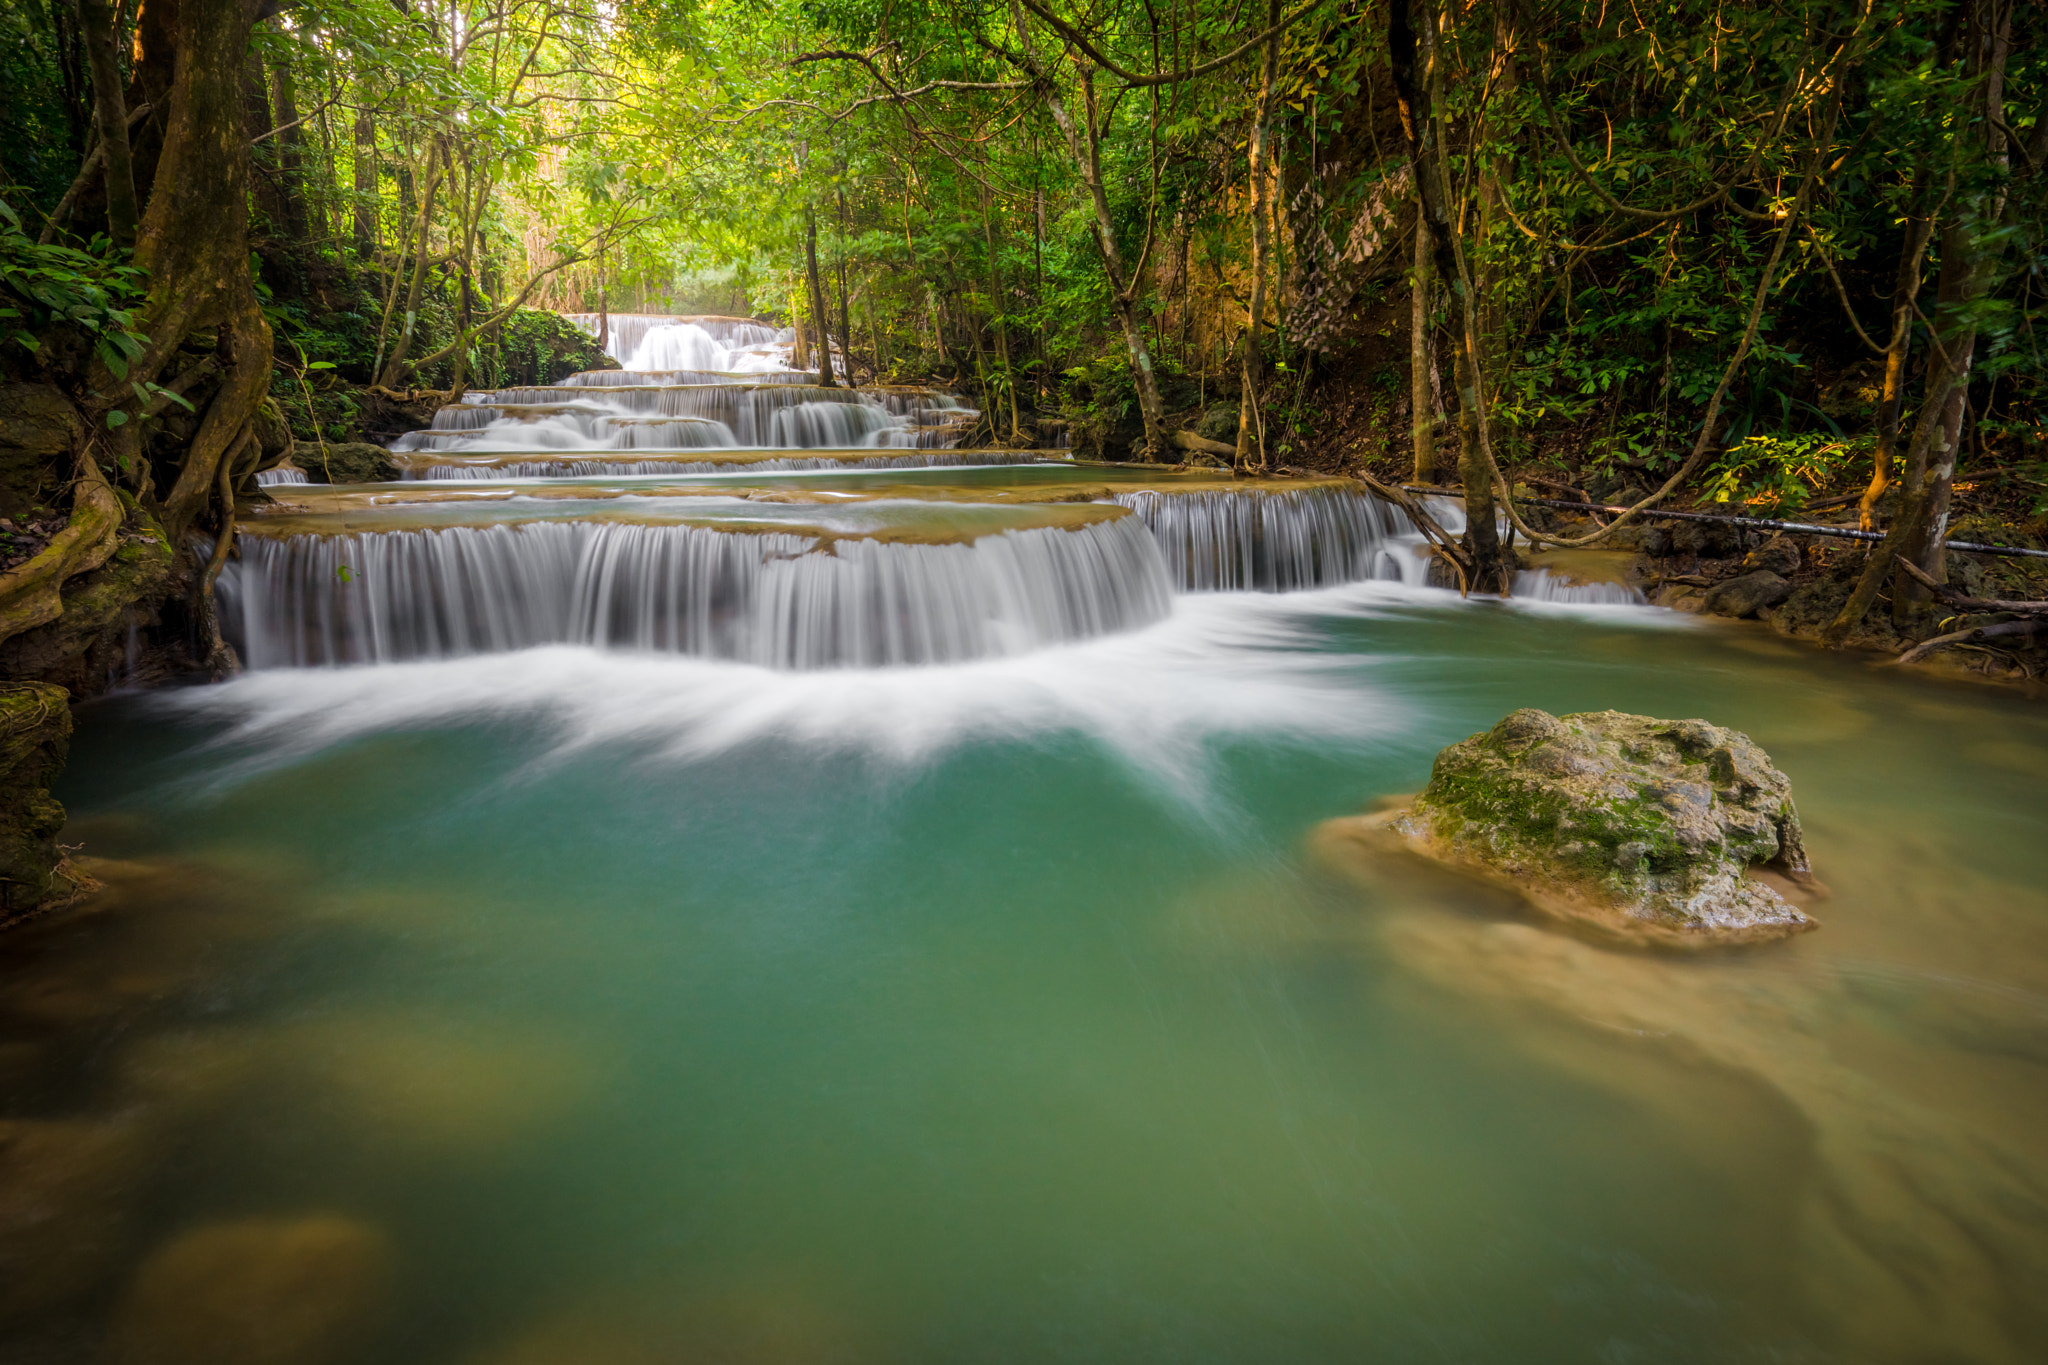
(345, 462)
(39, 428)
(1777, 555)
(1642, 829)
(1746, 594)
(300, 1291)
(35, 734)
(88, 642)
(273, 433)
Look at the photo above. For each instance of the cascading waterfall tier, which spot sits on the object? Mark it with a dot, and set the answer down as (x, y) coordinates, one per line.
(652, 341)
(1274, 540)
(776, 599)
(783, 416)
(502, 465)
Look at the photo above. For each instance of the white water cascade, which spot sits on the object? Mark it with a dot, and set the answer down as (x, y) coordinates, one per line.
(796, 526)
(653, 341)
(1275, 541)
(777, 600)
(689, 384)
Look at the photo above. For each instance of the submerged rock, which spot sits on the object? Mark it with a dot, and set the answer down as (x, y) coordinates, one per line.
(67, 1188)
(300, 1291)
(1647, 830)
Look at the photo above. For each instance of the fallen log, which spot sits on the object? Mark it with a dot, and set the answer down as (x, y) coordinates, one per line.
(1187, 440)
(1760, 523)
(2029, 626)
(1967, 603)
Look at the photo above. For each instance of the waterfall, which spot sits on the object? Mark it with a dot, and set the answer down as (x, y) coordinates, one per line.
(793, 416)
(595, 466)
(652, 341)
(778, 600)
(1272, 541)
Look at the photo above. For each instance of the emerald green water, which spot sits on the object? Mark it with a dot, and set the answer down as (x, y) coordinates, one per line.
(643, 1009)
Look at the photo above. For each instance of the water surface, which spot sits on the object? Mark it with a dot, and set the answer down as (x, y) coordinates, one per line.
(639, 1008)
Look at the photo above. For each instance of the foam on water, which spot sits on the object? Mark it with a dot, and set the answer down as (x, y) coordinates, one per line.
(1213, 667)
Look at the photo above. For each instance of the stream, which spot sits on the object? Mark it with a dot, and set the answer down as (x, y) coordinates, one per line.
(874, 913)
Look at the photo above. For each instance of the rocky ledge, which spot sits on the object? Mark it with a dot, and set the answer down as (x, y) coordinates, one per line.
(1656, 832)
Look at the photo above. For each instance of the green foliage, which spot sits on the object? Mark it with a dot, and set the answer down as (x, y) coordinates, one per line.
(93, 290)
(1784, 471)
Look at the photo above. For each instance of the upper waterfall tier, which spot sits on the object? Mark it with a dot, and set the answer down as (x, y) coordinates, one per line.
(605, 410)
(655, 341)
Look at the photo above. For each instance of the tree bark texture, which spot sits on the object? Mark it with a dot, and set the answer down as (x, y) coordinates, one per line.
(1411, 42)
(363, 207)
(96, 24)
(1084, 146)
(820, 301)
(1249, 427)
(193, 241)
(1422, 357)
(291, 172)
(1972, 252)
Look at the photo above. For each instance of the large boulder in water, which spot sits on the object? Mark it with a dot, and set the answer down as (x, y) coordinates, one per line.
(1646, 830)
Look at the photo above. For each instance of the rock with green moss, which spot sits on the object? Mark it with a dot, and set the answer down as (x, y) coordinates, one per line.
(1648, 830)
(345, 462)
(35, 732)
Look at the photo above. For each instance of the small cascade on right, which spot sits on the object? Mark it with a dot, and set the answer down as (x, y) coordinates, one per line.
(1273, 540)
(1550, 583)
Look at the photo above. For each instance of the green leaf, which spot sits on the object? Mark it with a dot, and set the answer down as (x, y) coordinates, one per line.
(116, 418)
(321, 365)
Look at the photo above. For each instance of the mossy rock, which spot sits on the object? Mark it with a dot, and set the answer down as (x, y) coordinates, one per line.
(345, 462)
(35, 734)
(39, 428)
(86, 642)
(1644, 830)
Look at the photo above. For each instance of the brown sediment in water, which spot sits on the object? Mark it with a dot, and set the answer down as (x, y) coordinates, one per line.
(68, 1188)
(432, 1084)
(1907, 1168)
(1583, 568)
(761, 1320)
(305, 1290)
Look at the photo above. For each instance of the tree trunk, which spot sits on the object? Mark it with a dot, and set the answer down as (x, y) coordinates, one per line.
(257, 120)
(845, 303)
(1249, 428)
(290, 152)
(1905, 290)
(1422, 357)
(1972, 249)
(363, 211)
(1084, 146)
(1413, 49)
(110, 116)
(995, 284)
(193, 242)
(821, 310)
(419, 242)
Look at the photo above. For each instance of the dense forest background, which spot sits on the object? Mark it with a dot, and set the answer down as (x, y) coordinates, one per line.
(1778, 255)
